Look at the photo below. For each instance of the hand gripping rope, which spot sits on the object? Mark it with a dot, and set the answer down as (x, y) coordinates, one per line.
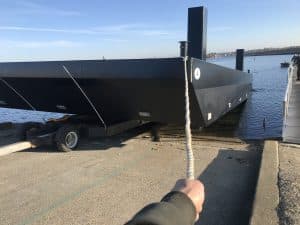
(189, 150)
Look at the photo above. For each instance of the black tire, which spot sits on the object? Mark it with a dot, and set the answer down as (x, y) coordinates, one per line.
(155, 137)
(62, 135)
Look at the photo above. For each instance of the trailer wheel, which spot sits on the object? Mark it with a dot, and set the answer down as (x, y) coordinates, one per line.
(67, 138)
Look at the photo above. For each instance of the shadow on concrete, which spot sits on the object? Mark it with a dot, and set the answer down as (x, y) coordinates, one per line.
(100, 144)
(230, 184)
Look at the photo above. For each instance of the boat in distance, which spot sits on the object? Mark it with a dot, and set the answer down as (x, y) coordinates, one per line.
(130, 89)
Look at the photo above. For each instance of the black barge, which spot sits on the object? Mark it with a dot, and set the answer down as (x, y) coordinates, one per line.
(114, 91)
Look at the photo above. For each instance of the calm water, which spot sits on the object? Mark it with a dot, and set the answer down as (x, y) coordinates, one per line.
(269, 82)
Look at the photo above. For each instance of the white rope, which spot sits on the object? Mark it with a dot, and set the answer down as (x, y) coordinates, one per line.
(189, 150)
(87, 98)
(18, 93)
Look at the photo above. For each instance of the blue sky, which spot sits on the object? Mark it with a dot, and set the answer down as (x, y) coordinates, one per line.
(91, 29)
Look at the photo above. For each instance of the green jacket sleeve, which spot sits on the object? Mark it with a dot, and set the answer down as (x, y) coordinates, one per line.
(175, 208)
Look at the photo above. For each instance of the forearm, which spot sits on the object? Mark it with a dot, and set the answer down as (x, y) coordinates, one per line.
(176, 208)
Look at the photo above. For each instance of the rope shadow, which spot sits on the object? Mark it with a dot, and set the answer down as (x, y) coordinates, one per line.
(230, 184)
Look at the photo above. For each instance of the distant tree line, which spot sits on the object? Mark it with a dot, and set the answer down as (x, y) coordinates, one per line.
(258, 52)
(274, 51)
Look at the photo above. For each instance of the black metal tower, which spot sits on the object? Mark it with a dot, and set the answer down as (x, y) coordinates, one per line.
(197, 32)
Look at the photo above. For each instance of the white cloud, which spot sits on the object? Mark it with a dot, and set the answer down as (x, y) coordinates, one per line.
(51, 30)
(128, 29)
(51, 44)
(39, 44)
(29, 7)
(155, 33)
(220, 29)
(120, 27)
(114, 40)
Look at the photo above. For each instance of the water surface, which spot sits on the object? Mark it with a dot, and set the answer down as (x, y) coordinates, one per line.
(269, 82)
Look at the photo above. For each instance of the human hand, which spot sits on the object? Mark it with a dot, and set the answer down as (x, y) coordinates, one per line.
(194, 189)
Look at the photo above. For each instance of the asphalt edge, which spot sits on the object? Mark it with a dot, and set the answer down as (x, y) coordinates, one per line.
(266, 198)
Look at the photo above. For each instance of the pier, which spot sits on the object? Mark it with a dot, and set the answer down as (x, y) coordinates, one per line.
(291, 122)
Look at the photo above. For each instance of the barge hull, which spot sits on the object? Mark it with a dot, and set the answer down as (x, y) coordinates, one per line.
(120, 90)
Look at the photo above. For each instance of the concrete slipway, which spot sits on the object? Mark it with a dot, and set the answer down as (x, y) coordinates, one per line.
(107, 180)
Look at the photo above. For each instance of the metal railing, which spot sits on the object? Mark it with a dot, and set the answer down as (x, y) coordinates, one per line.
(292, 71)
